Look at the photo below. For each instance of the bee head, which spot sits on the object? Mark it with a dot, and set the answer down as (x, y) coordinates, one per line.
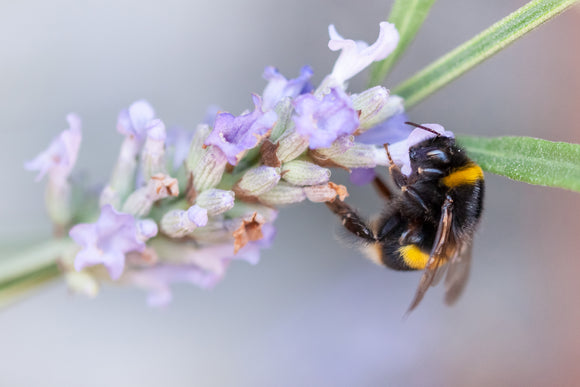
(437, 153)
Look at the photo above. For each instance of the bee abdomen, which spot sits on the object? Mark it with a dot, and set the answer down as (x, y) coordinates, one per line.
(413, 257)
(404, 258)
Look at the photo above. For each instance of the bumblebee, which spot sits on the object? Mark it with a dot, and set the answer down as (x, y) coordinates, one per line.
(429, 223)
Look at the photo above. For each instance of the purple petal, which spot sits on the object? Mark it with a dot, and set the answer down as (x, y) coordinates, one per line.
(279, 87)
(141, 113)
(362, 176)
(324, 120)
(180, 140)
(234, 135)
(61, 155)
(197, 215)
(134, 120)
(356, 56)
(210, 115)
(155, 130)
(107, 241)
(89, 256)
(392, 130)
(114, 261)
(84, 234)
(157, 280)
(146, 229)
(418, 135)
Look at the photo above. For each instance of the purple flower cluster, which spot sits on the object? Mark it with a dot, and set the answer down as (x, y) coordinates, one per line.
(176, 210)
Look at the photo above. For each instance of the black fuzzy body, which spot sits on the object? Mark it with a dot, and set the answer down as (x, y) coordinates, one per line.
(412, 218)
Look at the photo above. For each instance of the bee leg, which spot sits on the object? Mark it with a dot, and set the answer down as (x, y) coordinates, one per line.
(383, 190)
(351, 220)
(398, 177)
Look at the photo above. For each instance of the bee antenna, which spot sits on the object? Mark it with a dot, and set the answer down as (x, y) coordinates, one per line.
(424, 128)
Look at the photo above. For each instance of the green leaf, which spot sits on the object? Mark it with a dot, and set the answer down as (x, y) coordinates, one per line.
(527, 159)
(479, 48)
(407, 16)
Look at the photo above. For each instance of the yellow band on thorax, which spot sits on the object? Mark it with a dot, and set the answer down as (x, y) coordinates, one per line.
(466, 175)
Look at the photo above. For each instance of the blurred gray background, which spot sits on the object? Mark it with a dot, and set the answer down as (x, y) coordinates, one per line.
(312, 312)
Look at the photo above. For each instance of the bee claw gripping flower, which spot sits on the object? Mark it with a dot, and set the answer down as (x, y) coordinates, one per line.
(181, 205)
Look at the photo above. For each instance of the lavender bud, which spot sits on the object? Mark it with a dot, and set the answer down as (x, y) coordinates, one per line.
(291, 145)
(208, 172)
(81, 282)
(122, 180)
(197, 149)
(320, 193)
(283, 193)
(243, 209)
(160, 186)
(58, 201)
(362, 156)
(153, 154)
(338, 147)
(372, 105)
(146, 229)
(395, 105)
(284, 110)
(300, 172)
(216, 201)
(217, 230)
(179, 223)
(258, 180)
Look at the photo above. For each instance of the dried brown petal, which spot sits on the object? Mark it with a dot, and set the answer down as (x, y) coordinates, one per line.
(340, 190)
(268, 152)
(249, 230)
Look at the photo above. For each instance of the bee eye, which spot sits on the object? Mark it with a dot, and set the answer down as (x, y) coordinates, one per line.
(437, 154)
(413, 154)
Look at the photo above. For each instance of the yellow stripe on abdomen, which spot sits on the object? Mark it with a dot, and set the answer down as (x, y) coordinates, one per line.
(414, 257)
(466, 175)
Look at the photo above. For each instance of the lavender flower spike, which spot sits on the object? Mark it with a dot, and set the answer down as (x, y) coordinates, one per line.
(107, 241)
(279, 87)
(324, 120)
(356, 56)
(234, 135)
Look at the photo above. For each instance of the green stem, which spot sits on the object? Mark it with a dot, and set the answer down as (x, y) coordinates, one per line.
(479, 48)
(30, 269)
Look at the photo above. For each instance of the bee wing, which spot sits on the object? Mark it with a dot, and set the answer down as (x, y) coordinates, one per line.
(438, 254)
(457, 274)
(439, 274)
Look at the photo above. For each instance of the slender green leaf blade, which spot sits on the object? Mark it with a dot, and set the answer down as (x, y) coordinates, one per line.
(479, 48)
(407, 16)
(527, 159)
